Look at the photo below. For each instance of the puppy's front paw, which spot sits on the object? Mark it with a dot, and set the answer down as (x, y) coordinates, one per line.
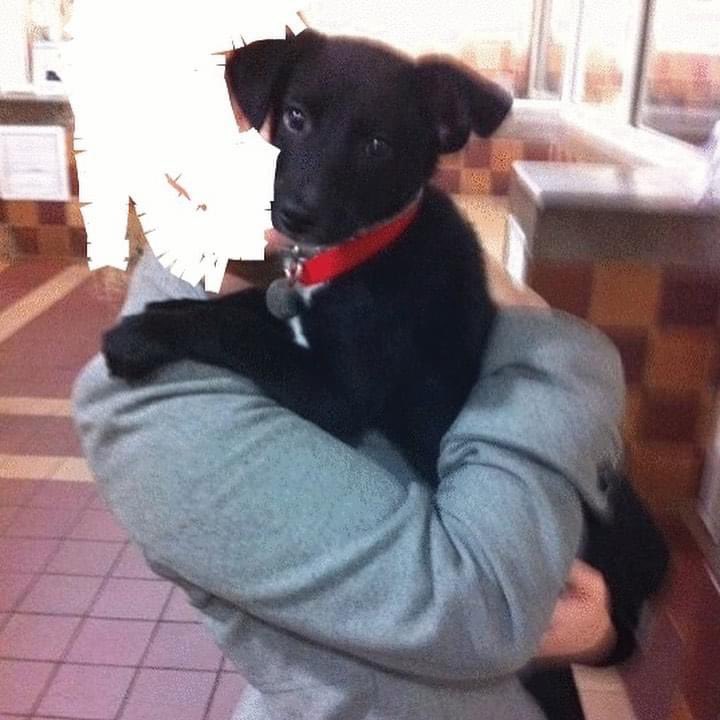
(132, 351)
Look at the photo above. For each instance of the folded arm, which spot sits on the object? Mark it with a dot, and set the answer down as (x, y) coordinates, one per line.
(256, 506)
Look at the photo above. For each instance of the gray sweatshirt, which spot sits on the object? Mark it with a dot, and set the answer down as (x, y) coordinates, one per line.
(340, 585)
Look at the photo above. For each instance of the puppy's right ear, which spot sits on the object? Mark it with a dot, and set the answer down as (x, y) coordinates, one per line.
(254, 74)
(251, 73)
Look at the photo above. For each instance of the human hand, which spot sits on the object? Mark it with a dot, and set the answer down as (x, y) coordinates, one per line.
(581, 629)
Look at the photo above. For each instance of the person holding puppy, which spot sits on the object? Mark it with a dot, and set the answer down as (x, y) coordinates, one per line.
(339, 584)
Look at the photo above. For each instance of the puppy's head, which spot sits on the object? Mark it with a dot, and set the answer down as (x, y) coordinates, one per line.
(359, 127)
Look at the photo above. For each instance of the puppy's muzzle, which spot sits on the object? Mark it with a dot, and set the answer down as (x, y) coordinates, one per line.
(294, 219)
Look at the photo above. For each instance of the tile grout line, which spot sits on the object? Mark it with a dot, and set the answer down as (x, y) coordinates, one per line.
(115, 618)
(36, 575)
(57, 664)
(39, 300)
(119, 666)
(213, 691)
(139, 666)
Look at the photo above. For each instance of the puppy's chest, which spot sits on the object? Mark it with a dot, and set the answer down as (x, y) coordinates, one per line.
(296, 325)
(335, 317)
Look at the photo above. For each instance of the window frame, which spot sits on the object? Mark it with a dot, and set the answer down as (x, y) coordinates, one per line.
(574, 67)
(634, 79)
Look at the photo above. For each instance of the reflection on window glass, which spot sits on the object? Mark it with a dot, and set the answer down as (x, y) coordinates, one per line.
(558, 30)
(607, 51)
(47, 19)
(493, 38)
(682, 87)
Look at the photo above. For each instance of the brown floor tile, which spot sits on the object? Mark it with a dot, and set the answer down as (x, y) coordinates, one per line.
(38, 359)
(665, 475)
(22, 213)
(58, 494)
(500, 182)
(701, 679)
(17, 492)
(477, 153)
(652, 675)
(625, 294)
(38, 435)
(53, 240)
(565, 286)
(52, 213)
(683, 359)
(537, 151)
(21, 684)
(670, 417)
(632, 343)
(689, 299)
(22, 277)
(46, 382)
(73, 215)
(78, 242)
(451, 160)
(39, 300)
(447, 179)
(26, 242)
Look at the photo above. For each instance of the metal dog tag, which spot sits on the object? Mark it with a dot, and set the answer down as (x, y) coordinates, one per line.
(282, 299)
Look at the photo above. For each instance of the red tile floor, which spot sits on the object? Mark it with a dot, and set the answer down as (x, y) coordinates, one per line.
(87, 632)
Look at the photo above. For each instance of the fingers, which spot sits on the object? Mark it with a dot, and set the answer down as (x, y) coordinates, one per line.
(586, 583)
(581, 629)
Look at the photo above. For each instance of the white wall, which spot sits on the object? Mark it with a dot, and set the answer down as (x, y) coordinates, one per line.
(13, 46)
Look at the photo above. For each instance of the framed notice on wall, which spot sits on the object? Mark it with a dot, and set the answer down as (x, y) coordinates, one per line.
(33, 163)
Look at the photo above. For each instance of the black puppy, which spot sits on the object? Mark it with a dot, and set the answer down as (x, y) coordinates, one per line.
(396, 342)
(385, 315)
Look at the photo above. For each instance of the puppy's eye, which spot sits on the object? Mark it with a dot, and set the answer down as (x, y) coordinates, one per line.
(378, 148)
(295, 120)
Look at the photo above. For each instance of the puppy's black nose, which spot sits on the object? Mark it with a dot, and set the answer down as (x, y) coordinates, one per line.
(295, 219)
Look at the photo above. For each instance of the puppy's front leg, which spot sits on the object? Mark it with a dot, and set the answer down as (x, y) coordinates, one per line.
(234, 332)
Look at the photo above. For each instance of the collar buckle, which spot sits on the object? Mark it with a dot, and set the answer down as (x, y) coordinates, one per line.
(293, 265)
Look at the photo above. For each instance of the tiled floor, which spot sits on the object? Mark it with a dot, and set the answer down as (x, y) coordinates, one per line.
(87, 632)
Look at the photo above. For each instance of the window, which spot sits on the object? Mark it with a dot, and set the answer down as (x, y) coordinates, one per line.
(30, 54)
(607, 52)
(587, 51)
(654, 63)
(681, 92)
(494, 42)
(556, 26)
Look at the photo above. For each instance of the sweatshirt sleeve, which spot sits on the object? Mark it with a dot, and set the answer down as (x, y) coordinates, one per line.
(263, 510)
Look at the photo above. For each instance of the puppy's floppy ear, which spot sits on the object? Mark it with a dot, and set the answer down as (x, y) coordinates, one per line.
(254, 73)
(460, 100)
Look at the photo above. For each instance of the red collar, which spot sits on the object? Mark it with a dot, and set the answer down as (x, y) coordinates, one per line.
(346, 256)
